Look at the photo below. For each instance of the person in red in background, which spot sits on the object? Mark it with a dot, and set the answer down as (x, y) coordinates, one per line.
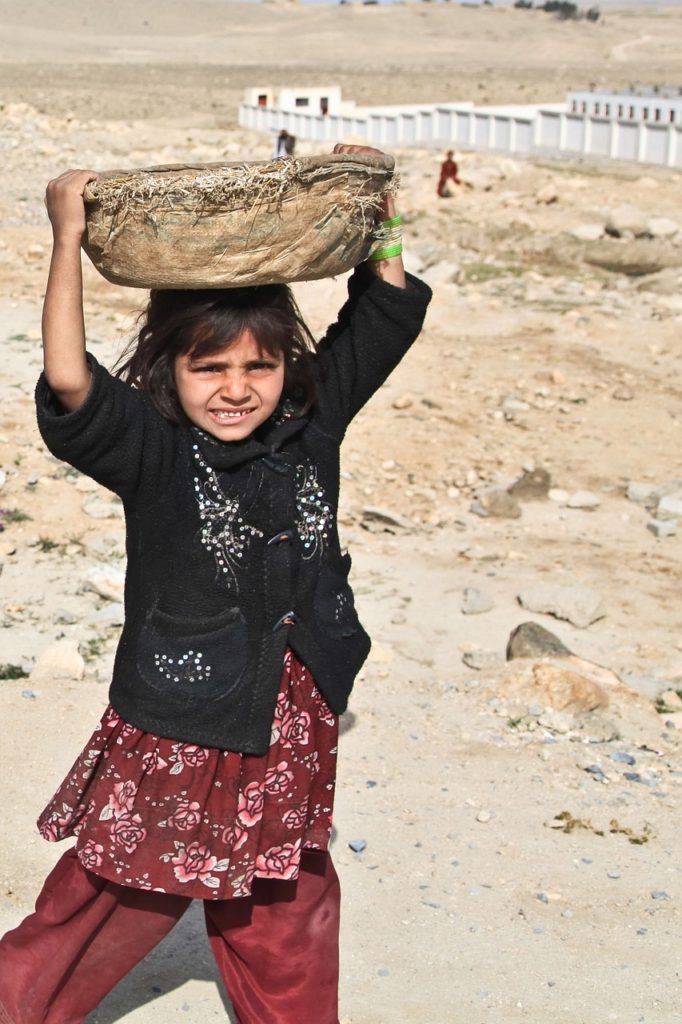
(448, 172)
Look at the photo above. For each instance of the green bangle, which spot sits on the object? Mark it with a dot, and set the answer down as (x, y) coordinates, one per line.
(387, 253)
(393, 222)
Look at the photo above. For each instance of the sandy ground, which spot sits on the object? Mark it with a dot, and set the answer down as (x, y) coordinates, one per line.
(473, 901)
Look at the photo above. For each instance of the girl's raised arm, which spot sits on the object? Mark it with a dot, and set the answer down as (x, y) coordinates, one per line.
(66, 368)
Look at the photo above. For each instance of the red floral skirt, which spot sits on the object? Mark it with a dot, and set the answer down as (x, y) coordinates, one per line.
(175, 817)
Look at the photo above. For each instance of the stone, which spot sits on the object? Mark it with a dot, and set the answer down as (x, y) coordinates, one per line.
(583, 499)
(554, 684)
(671, 699)
(511, 405)
(61, 660)
(662, 227)
(558, 495)
(648, 494)
(481, 659)
(669, 507)
(498, 504)
(443, 272)
(385, 519)
(475, 602)
(623, 393)
(627, 220)
(403, 401)
(98, 509)
(3, 478)
(549, 193)
(531, 640)
(533, 484)
(576, 603)
(662, 528)
(587, 232)
(107, 581)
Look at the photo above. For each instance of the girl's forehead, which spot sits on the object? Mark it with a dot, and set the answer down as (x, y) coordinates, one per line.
(242, 347)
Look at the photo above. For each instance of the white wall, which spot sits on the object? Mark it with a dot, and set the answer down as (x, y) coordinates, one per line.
(551, 130)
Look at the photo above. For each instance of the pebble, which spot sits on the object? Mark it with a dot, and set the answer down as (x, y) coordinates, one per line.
(475, 602)
(613, 874)
(660, 894)
(484, 816)
(583, 499)
(403, 401)
(621, 757)
(61, 660)
(358, 845)
(661, 528)
(623, 394)
(669, 507)
(3, 478)
(107, 581)
(28, 694)
(98, 509)
(576, 603)
(480, 659)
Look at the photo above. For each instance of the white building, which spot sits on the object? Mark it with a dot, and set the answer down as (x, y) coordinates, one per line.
(643, 125)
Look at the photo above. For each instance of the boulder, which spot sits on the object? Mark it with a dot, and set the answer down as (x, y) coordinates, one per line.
(574, 602)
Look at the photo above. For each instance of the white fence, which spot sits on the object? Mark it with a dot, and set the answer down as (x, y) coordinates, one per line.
(550, 130)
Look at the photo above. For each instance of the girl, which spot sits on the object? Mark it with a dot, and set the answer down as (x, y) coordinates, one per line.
(211, 774)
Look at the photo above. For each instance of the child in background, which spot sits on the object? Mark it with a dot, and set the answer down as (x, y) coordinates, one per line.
(211, 774)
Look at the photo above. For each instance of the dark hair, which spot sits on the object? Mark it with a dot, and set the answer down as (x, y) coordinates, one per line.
(176, 322)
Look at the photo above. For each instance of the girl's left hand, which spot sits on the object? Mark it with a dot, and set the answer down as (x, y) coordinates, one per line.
(388, 209)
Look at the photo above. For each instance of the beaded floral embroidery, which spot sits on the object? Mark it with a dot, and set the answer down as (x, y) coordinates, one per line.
(224, 532)
(314, 515)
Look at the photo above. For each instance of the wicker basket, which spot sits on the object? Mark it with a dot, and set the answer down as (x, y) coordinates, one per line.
(229, 225)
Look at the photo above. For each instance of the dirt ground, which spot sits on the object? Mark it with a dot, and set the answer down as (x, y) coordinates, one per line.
(521, 820)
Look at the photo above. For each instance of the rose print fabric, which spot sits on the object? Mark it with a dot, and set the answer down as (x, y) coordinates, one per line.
(154, 813)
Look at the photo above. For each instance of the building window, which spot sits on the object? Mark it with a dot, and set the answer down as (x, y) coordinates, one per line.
(584, 106)
(596, 108)
(262, 100)
(632, 113)
(301, 101)
(620, 110)
(657, 113)
(645, 113)
(672, 117)
(574, 106)
(607, 109)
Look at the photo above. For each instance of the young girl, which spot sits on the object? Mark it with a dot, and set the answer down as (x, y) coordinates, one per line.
(211, 774)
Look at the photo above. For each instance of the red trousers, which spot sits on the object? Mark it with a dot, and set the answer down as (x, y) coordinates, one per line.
(276, 950)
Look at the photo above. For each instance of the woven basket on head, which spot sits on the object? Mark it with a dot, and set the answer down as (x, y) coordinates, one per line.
(229, 225)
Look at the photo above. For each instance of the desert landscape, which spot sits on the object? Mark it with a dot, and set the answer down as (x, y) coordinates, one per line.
(513, 806)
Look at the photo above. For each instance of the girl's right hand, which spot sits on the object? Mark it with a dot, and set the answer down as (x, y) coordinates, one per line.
(65, 204)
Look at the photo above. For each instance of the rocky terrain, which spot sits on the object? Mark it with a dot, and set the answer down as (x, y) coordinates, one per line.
(508, 811)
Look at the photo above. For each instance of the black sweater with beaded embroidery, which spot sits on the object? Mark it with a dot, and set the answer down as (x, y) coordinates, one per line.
(232, 547)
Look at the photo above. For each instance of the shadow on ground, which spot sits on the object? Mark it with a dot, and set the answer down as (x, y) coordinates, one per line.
(183, 956)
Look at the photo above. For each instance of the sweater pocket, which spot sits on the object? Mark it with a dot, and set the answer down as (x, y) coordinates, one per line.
(189, 660)
(333, 602)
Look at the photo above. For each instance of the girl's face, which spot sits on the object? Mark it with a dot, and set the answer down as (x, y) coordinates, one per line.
(229, 393)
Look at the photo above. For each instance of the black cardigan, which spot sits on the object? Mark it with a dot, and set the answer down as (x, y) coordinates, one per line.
(227, 540)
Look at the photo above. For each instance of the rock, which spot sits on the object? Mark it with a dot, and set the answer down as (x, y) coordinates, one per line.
(358, 845)
(671, 700)
(61, 660)
(588, 232)
(530, 640)
(98, 509)
(498, 503)
(403, 401)
(576, 603)
(3, 478)
(112, 614)
(533, 484)
(547, 194)
(511, 405)
(662, 528)
(385, 519)
(638, 258)
(107, 581)
(623, 394)
(443, 272)
(661, 227)
(558, 495)
(481, 659)
(583, 499)
(475, 602)
(86, 484)
(627, 221)
(552, 683)
(669, 507)
(648, 494)
(484, 816)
